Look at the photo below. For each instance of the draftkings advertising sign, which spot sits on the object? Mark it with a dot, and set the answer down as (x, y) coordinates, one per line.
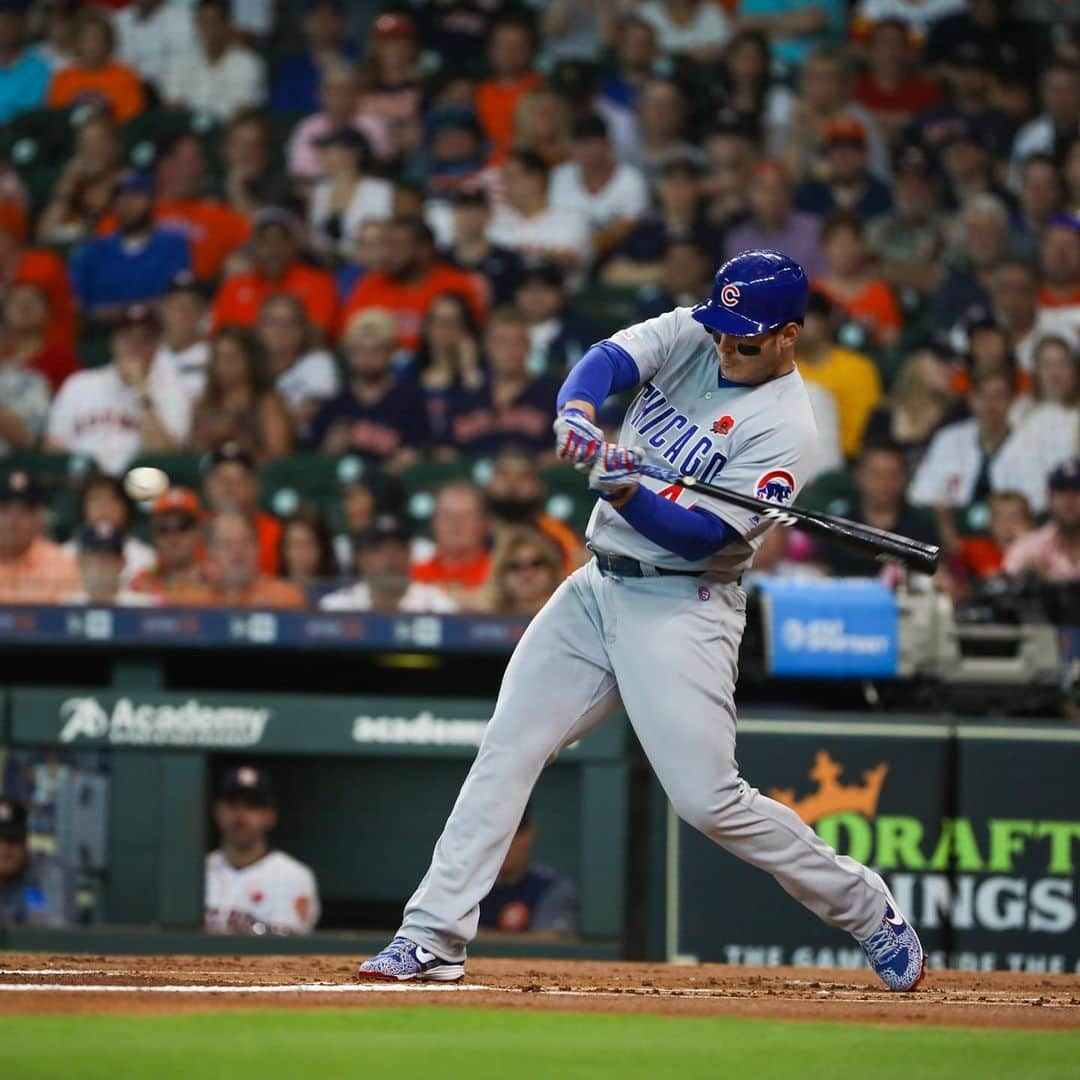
(975, 829)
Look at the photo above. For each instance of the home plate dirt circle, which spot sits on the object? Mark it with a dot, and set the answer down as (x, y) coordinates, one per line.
(37, 983)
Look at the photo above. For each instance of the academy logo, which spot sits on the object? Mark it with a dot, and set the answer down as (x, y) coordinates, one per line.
(777, 485)
(724, 425)
(729, 295)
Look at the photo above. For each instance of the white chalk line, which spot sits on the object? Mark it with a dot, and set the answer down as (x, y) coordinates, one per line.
(823, 996)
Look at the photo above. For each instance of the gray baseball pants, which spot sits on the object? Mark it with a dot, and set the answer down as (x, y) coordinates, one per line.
(666, 648)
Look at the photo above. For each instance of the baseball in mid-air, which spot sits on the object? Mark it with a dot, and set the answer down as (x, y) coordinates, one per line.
(145, 483)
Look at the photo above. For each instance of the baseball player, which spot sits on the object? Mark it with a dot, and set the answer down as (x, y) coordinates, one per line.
(653, 622)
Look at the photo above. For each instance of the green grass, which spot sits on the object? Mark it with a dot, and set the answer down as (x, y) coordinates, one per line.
(475, 1044)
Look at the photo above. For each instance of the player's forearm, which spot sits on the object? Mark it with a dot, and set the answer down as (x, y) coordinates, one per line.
(691, 534)
(605, 369)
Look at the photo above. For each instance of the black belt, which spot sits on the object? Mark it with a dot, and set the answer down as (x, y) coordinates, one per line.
(622, 566)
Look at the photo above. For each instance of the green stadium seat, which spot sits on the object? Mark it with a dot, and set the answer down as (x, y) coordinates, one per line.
(39, 137)
(609, 307)
(142, 139)
(429, 476)
(828, 491)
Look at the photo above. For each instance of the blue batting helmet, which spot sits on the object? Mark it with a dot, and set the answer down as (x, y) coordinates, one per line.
(754, 292)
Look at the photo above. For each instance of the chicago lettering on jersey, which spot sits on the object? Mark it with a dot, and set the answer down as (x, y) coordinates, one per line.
(683, 444)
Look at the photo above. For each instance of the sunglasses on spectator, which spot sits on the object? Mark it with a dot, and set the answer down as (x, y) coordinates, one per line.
(167, 528)
(531, 564)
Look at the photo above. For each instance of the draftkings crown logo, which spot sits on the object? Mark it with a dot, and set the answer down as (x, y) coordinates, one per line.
(833, 797)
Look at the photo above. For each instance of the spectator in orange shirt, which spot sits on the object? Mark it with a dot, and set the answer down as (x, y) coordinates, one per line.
(511, 54)
(231, 485)
(46, 270)
(233, 569)
(175, 520)
(212, 228)
(848, 283)
(33, 570)
(1010, 518)
(413, 278)
(95, 78)
(462, 561)
(275, 254)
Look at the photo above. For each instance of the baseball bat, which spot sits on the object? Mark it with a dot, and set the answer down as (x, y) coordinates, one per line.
(864, 539)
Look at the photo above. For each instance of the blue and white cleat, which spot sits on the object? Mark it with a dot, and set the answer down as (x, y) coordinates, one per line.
(403, 959)
(895, 952)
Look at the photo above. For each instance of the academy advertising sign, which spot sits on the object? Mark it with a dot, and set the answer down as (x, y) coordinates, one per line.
(977, 836)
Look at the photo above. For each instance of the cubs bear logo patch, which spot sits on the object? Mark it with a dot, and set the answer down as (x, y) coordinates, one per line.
(776, 486)
(703, 593)
(724, 425)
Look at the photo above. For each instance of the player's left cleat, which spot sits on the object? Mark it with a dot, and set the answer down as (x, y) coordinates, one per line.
(895, 952)
(403, 959)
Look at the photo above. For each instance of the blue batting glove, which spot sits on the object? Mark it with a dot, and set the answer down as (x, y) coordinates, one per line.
(577, 438)
(614, 470)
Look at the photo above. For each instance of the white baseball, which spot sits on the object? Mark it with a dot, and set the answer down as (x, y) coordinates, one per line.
(145, 483)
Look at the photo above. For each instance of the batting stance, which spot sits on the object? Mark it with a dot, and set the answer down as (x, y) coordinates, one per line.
(653, 622)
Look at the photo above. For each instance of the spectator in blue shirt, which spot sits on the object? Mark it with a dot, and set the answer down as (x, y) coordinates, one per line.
(794, 27)
(136, 263)
(24, 76)
(294, 86)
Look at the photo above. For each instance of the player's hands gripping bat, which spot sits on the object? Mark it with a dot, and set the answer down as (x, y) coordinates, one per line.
(614, 470)
(577, 438)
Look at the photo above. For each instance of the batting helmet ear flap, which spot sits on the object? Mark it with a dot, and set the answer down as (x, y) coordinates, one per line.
(754, 292)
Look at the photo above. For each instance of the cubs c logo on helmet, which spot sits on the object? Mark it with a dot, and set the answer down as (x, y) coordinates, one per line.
(729, 295)
(777, 486)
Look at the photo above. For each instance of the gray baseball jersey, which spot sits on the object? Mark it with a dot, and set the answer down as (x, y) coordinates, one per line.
(665, 648)
(759, 440)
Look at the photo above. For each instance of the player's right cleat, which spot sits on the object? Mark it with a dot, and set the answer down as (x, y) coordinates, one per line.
(895, 952)
(403, 959)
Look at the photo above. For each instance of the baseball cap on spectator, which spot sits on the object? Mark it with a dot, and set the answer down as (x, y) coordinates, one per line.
(12, 812)
(475, 196)
(733, 122)
(134, 181)
(393, 25)
(275, 215)
(447, 117)
(177, 500)
(681, 159)
(845, 130)
(971, 53)
(911, 158)
(347, 137)
(383, 527)
(140, 316)
(101, 538)
(20, 486)
(546, 271)
(249, 783)
(590, 126)
(184, 282)
(957, 130)
(1066, 476)
(229, 452)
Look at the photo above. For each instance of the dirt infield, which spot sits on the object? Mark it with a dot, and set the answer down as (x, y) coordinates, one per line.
(39, 983)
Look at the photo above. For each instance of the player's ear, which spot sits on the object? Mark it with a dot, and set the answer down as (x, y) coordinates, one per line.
(788, 335)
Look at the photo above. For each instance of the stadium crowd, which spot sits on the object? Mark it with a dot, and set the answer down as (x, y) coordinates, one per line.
(260, 232)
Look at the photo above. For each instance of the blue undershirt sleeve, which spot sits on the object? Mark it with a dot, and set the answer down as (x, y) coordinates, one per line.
(605, 369)
(691, 534)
